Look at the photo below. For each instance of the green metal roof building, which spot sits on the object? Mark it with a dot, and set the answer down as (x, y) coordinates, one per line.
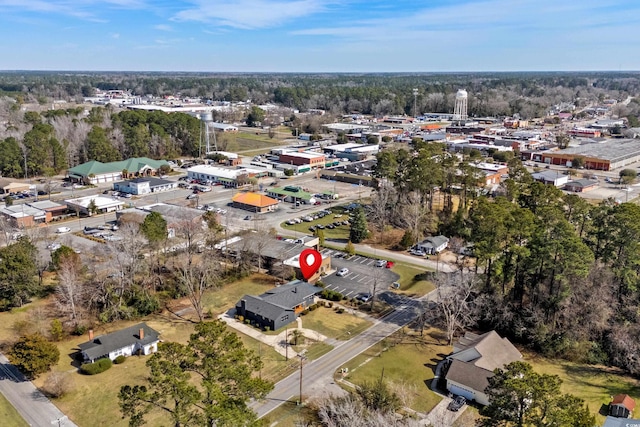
(95, 172)
(289, 194)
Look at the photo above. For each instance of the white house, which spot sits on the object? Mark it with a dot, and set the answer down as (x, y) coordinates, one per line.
(551, 178)
(473, 361)
(140, 186)
(136, 339)
(433, 245)
(102, 204)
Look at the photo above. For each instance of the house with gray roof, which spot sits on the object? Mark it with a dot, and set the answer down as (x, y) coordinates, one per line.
(279, 306)
(433, 245)
(136, 339)
(473, 361)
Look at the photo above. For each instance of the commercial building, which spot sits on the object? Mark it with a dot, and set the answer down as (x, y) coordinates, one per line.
(226, 176)
(550, 177)
(291, 194)
(24, 215)
(141, 186)
(608, 155)
(95, 172)
(254, 202)
(89, 204)
(310, 159)
(9, 186)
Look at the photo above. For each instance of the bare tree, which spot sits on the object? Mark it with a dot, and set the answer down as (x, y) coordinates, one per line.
(382, 205)
(413, 215)
(195, 279)
(453, 297)
(70, 289)
(338, 411)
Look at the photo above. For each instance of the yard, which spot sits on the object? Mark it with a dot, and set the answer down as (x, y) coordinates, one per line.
(290, 414)
(408, 361)
(333, 325)
(9, 416)
(226, 297)
(594, 384)
(409, 284)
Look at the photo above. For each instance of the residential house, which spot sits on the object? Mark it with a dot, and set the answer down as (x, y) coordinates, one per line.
(433, 245)
(278, 306)
(136, 339)
(254, 202)
(473, 361)
(621, 406)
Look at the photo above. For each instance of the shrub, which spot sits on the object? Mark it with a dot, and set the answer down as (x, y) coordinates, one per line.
(340, 310)
(304, 312)
(58, 384)
(313, 307)
(329, 304)
(56, 331)
(331, 295)
(97, 367)
(247, 321)
(120, 359)
(79, 330)
(240, 318)
(267, 329)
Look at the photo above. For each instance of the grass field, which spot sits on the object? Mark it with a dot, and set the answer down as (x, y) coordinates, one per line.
(333, 325)
(594, 384)
(408, 361)
(408, 283)
(9, 416)
(220, 300)
(289, 414)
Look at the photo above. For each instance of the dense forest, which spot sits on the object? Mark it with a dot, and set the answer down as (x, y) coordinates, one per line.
(555, 272)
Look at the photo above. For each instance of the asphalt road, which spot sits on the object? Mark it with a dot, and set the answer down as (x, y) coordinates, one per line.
(34, 407)
(317, 375)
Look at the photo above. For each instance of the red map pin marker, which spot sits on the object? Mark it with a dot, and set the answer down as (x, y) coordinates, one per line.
(310, 261)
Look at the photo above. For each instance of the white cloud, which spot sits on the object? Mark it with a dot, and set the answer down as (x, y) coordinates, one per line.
(250, 14)
(163, 27)
(115, 35)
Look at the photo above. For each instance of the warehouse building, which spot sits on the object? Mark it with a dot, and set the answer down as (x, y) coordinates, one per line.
(608, 155)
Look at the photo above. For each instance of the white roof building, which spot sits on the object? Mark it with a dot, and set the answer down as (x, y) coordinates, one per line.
(102, 204)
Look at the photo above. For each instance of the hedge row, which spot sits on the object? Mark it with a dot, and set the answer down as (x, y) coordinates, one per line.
(97, 367)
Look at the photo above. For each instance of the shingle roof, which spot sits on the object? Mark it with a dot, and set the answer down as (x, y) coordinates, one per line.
(276, 301)
(254, 199)
(493, 352)
(104, 344)
(131, 165)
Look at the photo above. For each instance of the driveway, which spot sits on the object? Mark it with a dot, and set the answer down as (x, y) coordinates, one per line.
(440, 416)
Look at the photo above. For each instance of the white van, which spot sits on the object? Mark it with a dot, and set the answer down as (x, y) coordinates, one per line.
(63, 230)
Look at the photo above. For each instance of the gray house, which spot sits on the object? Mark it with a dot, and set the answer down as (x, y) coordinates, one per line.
(433, 245)
(136, 339)
(278, 306)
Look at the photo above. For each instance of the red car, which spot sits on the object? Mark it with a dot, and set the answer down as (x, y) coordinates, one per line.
(389, 264)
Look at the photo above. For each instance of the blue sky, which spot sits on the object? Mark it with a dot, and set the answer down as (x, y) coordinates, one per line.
(320, 35)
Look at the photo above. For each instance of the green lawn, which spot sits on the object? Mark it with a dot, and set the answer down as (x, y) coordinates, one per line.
(9, 416)
(341, 232)
(408, 283)
(408, 360)
(594, 384)
(226, 297)
(333, 325)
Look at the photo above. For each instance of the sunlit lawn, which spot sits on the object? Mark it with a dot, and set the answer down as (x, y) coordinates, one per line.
(408, 361)
(333, 325)
(409, 285)
(220, 300)
(9, 416)
(594, 384)
(290, 414)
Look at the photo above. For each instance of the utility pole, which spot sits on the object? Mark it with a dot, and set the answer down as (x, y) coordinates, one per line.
(302, 358)
(286, 343)
(415, 102)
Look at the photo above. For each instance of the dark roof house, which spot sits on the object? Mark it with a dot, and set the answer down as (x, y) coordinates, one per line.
(138, 338)
(433, 245)
(473, 361)
(621, 406)
(278, 306)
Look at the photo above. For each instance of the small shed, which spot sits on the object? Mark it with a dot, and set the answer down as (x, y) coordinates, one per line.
(621, 406)
(581, 185)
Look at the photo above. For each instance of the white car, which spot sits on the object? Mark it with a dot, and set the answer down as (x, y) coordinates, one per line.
(381, 263)
(61, 230)
(54, 246)
(342, 272)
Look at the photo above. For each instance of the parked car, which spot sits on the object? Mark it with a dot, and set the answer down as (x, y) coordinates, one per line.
(457, 403)
(381, 263)
(417, 252)
(54, 246)
(192, 196)
(389, 264)
(342, 272)
(364, 297)
(61, 230)
(247, 218)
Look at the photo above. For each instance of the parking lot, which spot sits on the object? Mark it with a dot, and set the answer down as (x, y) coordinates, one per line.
(361, 277)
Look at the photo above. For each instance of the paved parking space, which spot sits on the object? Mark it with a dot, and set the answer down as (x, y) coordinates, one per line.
(362, 275)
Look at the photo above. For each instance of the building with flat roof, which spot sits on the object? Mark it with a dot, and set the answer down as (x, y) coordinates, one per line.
(607, 155)
(551, 177)
(23, 215)
(307, 158)
(140, 186)
(291, 194)
(229, 177)
(102, 204)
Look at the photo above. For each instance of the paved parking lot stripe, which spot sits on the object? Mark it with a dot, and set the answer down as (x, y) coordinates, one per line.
(353, 277)
(364, 260)
(350, 258)
(363, 278)
(343, 291)
(346, 295)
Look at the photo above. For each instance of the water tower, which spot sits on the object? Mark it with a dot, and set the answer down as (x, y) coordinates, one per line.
(206, 119)
(460, 109)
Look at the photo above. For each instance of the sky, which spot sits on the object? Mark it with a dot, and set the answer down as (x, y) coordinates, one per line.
(320, 35)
